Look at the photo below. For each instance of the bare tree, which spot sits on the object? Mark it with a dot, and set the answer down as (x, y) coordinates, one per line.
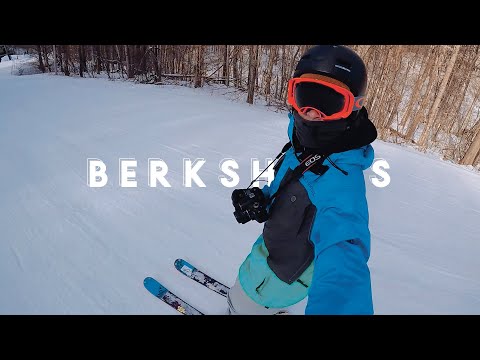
(236, 76)
(420, 80)
(98, 57)
(45, 57)
(40, 61)
(473, 151)
(128, 62)
(81, 60)
(252, 72)
(272, 55)
(419, 115)
(443, 86)
(66, 69)
(199, 67)
(226, 66)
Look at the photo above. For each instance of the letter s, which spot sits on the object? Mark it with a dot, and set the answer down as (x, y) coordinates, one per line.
(378, 168)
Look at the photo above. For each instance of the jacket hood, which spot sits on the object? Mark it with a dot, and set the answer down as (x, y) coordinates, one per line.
(362, 157)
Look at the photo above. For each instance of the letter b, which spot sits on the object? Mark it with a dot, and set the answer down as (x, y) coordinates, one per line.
(96, 173)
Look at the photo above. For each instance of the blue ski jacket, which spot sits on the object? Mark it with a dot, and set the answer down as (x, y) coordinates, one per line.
(332, 219)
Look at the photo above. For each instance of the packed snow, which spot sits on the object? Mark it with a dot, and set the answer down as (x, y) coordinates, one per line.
(67, 248)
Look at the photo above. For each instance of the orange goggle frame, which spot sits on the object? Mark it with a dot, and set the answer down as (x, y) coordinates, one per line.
(351, 103)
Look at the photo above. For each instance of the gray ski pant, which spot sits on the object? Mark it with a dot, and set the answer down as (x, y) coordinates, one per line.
(239, 303)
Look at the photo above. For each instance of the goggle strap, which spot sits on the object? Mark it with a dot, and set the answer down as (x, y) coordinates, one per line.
(358, 103)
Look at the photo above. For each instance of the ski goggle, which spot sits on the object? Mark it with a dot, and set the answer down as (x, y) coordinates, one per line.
(328, 101)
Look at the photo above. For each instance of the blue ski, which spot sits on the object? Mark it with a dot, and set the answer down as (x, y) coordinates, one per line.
(200, 277)
(161, 292)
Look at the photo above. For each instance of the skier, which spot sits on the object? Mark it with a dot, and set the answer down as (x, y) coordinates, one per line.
(315, 239)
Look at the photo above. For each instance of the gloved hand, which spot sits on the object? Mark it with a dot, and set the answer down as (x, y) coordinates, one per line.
(249, 204)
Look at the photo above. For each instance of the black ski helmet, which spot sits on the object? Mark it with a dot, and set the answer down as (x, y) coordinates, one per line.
(335, 61)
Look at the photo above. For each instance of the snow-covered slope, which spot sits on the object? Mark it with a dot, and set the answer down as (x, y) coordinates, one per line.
(66, 248)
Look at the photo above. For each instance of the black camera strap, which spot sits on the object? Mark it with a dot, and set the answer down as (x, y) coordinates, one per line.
(312, 162)
(282, 153)
(309, 161)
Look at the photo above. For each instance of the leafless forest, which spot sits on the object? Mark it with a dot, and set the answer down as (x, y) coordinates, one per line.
(424, 95)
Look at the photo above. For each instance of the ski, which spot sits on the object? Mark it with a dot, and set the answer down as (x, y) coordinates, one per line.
(161, 292)
(200, 277)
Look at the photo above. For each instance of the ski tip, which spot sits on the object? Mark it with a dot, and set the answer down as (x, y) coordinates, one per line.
(179, 262)
(154, 287)
(183, 265)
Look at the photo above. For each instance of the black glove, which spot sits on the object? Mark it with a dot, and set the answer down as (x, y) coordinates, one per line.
(249, 204)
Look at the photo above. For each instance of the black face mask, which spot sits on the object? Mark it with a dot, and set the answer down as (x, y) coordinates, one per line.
(317, 134)
(328, 137)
